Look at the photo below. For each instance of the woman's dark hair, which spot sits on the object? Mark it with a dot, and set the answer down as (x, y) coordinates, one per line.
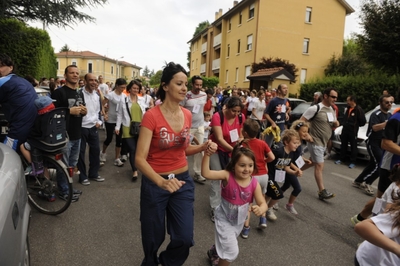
(120, 82)
(31, 80)
(5, 60)
(133, 82)
(233, 102)
(242, 148)
(52, 86)
(167, 75)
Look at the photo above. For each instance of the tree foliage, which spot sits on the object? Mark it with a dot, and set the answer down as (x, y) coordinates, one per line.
(60, 13)
(275, 62)
(202, 25)
(156, 79)
(65, 48)
(146, 72)
(380, 41)
(30, 49)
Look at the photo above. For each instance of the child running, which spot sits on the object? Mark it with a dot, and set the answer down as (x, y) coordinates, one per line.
(282, 165)
(207, 128)
(263, 155)
(238, 189)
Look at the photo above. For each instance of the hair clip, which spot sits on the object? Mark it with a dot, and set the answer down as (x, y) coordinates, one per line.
(299, 125)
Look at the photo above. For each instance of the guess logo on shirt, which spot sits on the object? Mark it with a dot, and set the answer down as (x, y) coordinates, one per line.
(170, 140)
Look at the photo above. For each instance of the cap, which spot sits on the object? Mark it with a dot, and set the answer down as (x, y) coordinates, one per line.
(44, 104)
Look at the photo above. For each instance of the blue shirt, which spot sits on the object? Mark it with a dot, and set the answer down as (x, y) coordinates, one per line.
(276, 112)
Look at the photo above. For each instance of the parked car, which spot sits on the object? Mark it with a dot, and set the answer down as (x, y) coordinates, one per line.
(361, 137)
(298, 111)
(14, 210)
(294, 102)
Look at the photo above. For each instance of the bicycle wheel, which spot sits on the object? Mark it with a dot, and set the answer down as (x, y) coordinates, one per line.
(46, 191)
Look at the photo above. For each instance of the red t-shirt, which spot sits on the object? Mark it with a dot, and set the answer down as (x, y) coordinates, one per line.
(167, 148)
(207, 106)
(260, 149)
(226, 128)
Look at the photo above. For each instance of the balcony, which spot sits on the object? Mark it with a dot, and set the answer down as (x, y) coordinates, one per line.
(203, 68)
(217, 40)
(204, 48)
(216, 64)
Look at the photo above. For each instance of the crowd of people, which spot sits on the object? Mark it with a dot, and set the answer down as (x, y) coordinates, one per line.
(225, 132)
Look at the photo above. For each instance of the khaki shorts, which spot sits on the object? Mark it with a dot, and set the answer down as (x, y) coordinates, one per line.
(316, 152)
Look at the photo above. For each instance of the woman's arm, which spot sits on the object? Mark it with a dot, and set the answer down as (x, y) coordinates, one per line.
(211, 174)
(143, 166)
(370, 232)
(261, 206)
(120, 114)
(219, 138)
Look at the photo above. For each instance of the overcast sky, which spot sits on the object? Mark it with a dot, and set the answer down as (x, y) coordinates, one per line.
(148, 32)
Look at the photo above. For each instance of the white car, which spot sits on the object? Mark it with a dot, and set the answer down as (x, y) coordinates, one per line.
(361, 137)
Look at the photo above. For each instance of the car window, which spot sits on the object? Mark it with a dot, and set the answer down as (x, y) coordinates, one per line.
(301, 108)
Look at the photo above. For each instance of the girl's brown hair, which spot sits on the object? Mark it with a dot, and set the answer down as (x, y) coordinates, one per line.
(240, 149)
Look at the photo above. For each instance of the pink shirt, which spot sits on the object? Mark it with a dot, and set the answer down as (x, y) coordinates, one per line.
(237, 195)
(167, 147)
(226, 128)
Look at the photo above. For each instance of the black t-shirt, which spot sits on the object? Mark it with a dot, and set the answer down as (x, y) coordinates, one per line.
(67, 97)
(282, 159)
(377, 117)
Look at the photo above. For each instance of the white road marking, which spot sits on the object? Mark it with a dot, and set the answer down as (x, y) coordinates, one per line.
(350, 179)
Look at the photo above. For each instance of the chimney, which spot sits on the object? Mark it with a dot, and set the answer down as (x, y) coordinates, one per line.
(216, 15)
(235, 3)
(220, 13)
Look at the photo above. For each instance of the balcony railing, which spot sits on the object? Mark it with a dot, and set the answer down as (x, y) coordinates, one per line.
(204, 47)
(216, 64)
(217, 40)
(203, 68)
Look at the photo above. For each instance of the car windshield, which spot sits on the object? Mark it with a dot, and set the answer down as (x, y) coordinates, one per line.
(301, 108)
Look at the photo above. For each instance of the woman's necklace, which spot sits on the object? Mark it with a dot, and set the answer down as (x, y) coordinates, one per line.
(174, 115)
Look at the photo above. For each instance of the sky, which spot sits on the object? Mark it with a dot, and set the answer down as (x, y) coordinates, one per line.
(150, 33)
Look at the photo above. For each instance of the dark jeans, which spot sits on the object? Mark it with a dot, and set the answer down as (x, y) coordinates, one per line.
(292, 180)
(346, 138)
(158, 205)
(371, 171)
(110, 130)
(90, 136)
(131, 144)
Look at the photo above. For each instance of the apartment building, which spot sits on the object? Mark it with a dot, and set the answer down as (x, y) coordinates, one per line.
(89, 62)
(305, 32)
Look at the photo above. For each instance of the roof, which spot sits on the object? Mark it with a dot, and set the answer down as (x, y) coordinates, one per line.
(271, 74)
(346, 5)
(89, 54)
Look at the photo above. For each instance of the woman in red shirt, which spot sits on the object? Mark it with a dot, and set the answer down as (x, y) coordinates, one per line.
(167, 190)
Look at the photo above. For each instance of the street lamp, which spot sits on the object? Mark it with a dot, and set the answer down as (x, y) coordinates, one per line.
(116, 71)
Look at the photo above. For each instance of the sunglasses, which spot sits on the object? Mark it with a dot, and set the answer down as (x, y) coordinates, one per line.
(387, 102)
(333, 97)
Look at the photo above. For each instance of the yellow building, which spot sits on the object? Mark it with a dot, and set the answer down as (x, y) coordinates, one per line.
(306, 33)
(89, 62)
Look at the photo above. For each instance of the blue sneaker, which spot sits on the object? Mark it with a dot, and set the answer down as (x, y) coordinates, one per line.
(245, 232)
(263, 223)
(352, 165)
(338, 162)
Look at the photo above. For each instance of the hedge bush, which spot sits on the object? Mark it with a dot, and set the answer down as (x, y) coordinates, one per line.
(367, 89)
(30, 49)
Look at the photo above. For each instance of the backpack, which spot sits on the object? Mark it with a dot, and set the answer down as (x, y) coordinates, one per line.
(315, 113)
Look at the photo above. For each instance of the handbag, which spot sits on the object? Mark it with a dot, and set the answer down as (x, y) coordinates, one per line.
(134, 127)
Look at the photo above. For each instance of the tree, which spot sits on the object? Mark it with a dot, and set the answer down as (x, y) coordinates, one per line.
(65, 48)
(30, 49)
(349, 63)
(146, 72)
(151, 73)
(156, 79)
(52, 12)
(274, 62)
(202, 25)
(380, 40)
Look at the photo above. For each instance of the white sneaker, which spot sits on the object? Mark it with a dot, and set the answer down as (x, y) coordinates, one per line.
(124, 158)
(199, 179)
(103, 157)
(276, 206)
(271, 215)
(118, 163)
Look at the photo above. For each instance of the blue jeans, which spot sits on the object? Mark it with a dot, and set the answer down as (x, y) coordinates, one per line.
(156, 204)
(90, 136)
(71, 154)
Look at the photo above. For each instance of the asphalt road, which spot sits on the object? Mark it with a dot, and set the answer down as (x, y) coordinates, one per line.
(103, 227)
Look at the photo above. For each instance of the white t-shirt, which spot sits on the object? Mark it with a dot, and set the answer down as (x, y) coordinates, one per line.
(386, 197)
(195, 103)
(250, 101)
(103, 88)
(371, 255)
(206, 131)
(114, 103)
(260, 108)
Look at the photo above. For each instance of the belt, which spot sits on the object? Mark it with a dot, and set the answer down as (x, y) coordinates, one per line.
(177, 176)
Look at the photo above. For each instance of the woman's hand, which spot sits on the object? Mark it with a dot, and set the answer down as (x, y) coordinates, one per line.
(116, 132)
(171, 185)
(210, 147)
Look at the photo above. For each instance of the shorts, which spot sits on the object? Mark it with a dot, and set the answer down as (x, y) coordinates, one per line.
(274, 191)
(263, 181)
(27, 146)
(384, 180)
(316, 152)
(12, 143)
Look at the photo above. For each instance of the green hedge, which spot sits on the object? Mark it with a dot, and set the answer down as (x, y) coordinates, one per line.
(30, 49)
(367, 89)
(208, 82)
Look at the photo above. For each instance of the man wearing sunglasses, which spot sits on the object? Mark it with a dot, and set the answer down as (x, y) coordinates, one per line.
(322, 118)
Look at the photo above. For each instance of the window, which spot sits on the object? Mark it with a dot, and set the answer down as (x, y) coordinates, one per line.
(303, 76)
(58, 65)
(251, 11)
(196, 62)
(249, 42)
(246, 72)
(112, 70)
(238, 50)
(73, 62)
(228, 50)
(240, 18)
(90, 68)
(237, 75)
(192, 64)
(306, 44)
(133, 74)
(308, 14)
(226, 76)
(229, 25)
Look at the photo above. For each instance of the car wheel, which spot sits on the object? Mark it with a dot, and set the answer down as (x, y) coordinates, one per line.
(27, 255)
